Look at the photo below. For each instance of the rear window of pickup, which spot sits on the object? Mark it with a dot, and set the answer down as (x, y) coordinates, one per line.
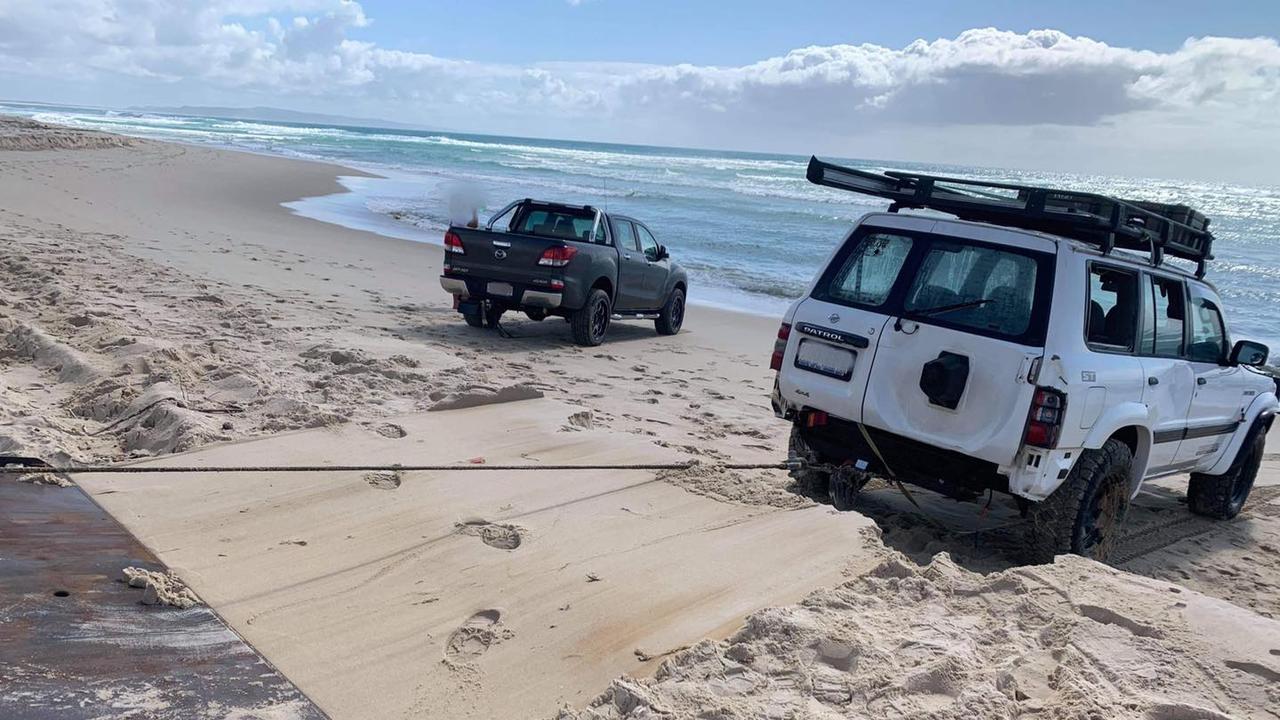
(553, 223)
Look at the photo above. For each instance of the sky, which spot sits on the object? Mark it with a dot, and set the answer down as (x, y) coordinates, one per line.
(1173, 88)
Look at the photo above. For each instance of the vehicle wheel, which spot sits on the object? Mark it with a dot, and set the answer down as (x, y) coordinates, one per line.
(811, 482)
(592, 321)
(474, 319)
(844, 486)
(493, 316)
(1222, 496)
(1085, 515)
(672, 315)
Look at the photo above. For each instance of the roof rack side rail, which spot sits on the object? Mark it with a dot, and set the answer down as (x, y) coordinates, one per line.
(1100, 220)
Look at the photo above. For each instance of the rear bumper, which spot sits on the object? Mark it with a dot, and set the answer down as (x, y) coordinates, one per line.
(522, 295)
(945, 471)
(455, 286)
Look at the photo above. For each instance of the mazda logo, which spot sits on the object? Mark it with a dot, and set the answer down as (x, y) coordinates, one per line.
(500, 254)
(834, 318)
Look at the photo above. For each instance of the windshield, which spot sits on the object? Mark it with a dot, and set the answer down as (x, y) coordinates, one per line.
(559, 223)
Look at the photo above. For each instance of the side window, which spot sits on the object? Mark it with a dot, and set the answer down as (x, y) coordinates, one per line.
(647, 244)
(1164, 322)
(624, 235)
(1208, 333)
(869, 272)
(1110, 324)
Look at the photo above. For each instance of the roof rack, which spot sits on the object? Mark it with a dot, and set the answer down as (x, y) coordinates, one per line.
(1099, 220)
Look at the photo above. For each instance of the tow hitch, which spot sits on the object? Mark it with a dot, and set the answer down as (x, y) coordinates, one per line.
(845, 481)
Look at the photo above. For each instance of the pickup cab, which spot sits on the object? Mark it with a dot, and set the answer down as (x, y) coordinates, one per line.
(572, 261)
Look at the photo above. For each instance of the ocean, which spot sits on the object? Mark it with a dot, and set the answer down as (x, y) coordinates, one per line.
(748, 227)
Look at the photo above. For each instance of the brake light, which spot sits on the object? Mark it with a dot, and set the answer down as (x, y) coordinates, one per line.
(780, 347)
(1044, 423)
(816, 418)
(453, 243)
(557, 256)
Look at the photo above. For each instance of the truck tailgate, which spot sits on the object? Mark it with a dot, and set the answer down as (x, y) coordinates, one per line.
(509, 257)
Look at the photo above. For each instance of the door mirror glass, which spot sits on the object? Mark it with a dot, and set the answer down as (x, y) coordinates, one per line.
(1248, 352)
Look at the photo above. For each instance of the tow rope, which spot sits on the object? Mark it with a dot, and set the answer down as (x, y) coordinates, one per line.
(40, 467)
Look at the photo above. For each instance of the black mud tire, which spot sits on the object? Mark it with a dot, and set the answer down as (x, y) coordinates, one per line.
(1085, 515)
(493, 316)
(815, 483)
(474, 319)
(592, 322)
(672, 315)
(1222, 497)
(843, 489)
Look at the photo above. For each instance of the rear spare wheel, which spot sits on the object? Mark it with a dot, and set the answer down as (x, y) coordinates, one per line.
(1222, 496)
(1086, 513)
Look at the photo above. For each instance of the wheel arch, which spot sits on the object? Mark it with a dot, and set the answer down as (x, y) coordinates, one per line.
(604, 283)
(1130, 424)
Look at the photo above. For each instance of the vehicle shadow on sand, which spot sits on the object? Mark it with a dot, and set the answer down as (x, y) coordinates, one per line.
(524, 335)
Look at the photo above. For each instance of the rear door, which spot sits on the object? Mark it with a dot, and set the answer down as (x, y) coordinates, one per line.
(1170, 381)
(656, 271)
(632, 267)
(835, 330)
(951, 369)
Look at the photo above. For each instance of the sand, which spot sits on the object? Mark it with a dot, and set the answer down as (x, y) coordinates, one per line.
(157, 299)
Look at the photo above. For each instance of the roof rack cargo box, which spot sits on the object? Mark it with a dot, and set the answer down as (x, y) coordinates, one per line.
(1099, 220)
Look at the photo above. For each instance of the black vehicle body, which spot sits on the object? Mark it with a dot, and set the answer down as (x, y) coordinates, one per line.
(547, 259)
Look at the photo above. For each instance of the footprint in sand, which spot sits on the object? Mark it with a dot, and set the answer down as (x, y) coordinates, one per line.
(497, 535)
(391, 430)
(383, 479)
(476, 636)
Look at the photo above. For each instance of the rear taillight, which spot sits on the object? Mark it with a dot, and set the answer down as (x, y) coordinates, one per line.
(453, 243)
(557, 256)
(1045, 421)
(780, 347)
(556, 284)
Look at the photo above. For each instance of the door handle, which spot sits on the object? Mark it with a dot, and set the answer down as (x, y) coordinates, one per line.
(626, 257)
(1153, 381)
(1201, 381)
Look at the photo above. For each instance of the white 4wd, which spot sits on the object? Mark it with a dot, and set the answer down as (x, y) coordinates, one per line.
(968, 357)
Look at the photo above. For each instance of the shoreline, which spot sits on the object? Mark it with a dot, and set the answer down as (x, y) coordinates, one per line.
(347, 208)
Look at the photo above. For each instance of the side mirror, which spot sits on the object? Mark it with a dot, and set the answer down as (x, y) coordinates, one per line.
(662, 252)
(1248, 352)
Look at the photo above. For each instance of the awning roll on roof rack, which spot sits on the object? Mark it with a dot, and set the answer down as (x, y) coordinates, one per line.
(1100, 220)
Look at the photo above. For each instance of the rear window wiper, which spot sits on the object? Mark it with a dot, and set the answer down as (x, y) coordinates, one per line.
(950, 308)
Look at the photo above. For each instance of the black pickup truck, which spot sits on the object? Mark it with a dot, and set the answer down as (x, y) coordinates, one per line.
(573, 261)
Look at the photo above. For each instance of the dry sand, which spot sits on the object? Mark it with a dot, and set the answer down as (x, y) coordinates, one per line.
(157, 298)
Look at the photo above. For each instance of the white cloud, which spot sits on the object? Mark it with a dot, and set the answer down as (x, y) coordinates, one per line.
(982, 86)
